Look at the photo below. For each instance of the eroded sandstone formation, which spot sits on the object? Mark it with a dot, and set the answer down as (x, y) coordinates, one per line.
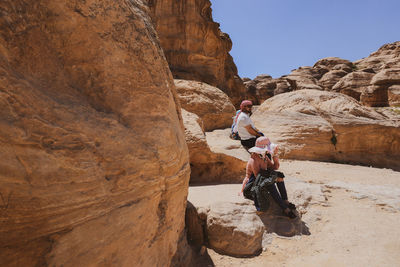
(327, 126)
(208, 102)
(208, 166)
(368, 80)
(94, 165)
(194, 45)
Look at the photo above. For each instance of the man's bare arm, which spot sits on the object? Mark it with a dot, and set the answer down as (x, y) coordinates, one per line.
(252, 131)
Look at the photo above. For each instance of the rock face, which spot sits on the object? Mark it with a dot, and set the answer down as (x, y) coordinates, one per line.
(194, 46)
(387, 57)
(368, 80)
(208, 102)
(353, 84)
(377, 94)
(191, 250)
(394, 95)
(91, 173)
(206, 165)
(327, 126)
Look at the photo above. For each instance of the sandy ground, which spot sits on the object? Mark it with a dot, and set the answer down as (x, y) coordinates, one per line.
(357, 225)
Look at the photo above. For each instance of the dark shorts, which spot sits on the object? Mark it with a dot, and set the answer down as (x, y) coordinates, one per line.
(249, 143)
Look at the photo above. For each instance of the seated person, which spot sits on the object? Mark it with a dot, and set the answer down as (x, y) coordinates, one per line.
(245, 128)
(264, 156)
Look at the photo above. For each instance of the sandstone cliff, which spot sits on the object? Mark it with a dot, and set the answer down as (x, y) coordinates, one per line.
(94, 165)
(373, 80)
(194, 46)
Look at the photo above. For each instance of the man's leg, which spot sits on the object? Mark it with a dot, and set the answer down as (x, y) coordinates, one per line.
(248, 143)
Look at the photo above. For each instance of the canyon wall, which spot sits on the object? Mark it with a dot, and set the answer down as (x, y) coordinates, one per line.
(94, 166)
(194, 45)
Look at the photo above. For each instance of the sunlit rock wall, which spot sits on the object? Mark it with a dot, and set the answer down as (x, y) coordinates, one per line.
(194, 45)
(94, 165)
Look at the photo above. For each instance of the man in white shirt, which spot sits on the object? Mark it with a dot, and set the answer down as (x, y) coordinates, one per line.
(247, 131)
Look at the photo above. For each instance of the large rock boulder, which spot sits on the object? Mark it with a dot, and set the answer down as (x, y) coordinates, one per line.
(208, 102)
(194, 45)
(208, 166)
(303, 78)
(332, 63)
(232, 225)
(94, 166)
(327, 126)
(234, 229)
(331, 78)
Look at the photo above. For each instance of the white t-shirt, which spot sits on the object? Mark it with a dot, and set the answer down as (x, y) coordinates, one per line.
(244, 120)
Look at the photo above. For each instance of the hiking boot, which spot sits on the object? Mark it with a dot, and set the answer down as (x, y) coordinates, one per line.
(290, 214)
(291, 206)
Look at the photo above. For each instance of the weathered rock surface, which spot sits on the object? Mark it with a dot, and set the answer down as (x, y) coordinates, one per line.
(386, 63)
(331, 78)
(191, 246)
(208, 102)
(234, 228)
(94, 166)
(394, 95)
(206, 165)
(194, 45)
(386, 57)
(353, 84)
(332, 63)
(302, 78)
(335, 74)
(377, 95)
(327, 126)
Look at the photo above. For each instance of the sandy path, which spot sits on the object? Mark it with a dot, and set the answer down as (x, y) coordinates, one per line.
(359, 226)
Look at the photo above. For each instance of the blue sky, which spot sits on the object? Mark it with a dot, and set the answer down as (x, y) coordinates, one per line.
(274, 37)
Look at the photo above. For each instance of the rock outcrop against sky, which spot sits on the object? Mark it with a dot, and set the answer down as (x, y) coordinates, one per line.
(372, 80)
(94, 165)
(194, 45)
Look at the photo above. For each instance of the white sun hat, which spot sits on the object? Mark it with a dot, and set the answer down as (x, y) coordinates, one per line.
(258, 150)
(263, 144)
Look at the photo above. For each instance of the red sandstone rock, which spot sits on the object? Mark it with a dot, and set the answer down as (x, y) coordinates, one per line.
(353, 84)
(394, 95)
(375, 96)
(94, 166)
(331, 78)
(194, 45)
(331, 63)
(208, 102)
(208, 166)
(388, 56)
